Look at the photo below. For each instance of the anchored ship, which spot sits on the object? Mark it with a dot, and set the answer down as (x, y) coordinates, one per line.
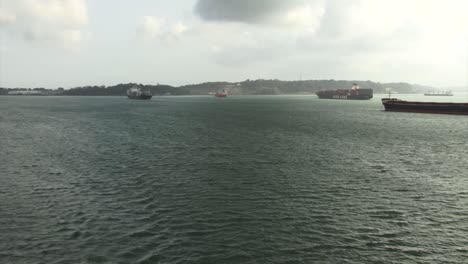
(221, 93)
(355, 93)
(397, 105)
(439, 93)
(138, 93)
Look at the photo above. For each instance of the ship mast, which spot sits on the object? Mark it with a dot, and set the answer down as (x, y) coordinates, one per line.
(389, 90)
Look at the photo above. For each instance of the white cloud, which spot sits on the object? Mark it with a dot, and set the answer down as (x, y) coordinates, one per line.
(61, 21)
(179, 28)
(159, 29)
(151, 27)
(304, 17)
(216, 48)
(64, 13)
(6, 17)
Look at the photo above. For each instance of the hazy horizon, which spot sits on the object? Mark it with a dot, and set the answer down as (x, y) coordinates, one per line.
(453, 88)
(70, 43)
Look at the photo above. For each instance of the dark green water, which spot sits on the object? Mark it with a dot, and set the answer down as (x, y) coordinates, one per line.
(265, 179)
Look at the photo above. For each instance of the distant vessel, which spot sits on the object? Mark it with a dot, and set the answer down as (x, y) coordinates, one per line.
(439, 93)
(139, 94)
(397, 105)
(355, 93)
(222, 93)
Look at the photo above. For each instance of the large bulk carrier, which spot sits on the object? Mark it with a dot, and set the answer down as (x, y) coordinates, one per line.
(355, 93)
(397, 105)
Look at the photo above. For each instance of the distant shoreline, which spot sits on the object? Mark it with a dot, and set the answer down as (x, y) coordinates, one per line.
(205, 95)
(247, 87)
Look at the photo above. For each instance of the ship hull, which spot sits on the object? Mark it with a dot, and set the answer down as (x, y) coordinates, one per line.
(344, 97)
(395, 105)
(221, 94)
(360, 94)
(140, 97)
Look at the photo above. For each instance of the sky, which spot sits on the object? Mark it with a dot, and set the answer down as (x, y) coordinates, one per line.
(69, 43)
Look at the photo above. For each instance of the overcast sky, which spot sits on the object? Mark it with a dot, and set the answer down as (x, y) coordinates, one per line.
(52, 43)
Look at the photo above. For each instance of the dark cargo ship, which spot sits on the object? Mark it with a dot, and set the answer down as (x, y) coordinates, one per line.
(355, 93)
(139, 94)
(397, 105)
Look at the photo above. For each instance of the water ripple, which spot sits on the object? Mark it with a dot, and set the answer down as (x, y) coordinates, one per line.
(249, 180)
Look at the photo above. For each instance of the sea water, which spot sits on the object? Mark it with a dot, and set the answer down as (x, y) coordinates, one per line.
(242, 179)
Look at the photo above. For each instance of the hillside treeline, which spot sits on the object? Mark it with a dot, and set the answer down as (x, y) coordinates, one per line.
(247, 87)
(298, 87)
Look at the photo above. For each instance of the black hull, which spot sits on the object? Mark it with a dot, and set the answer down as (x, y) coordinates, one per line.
(142, 97)
(395, 105)
(345, 97)
(356, 94)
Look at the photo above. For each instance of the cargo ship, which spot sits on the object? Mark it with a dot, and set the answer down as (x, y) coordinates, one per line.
(438, 93)
(221, 93)
(355, 93)
(139, 94)
(397, 105)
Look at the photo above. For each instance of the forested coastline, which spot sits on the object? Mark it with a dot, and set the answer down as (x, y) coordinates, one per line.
(247, 87)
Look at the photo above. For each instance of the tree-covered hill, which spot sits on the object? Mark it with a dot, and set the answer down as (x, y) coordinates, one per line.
(121, 89)
(247, 87)
(298, 87)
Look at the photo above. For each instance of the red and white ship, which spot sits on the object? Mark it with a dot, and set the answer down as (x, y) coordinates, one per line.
(221, 93)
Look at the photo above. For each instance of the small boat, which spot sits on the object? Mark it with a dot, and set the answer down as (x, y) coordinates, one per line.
(222, 93)
(139, 94)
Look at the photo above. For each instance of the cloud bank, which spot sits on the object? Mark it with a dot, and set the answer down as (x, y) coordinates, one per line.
(274, 12)
(61, 21)
(241, 10)
(418, 36)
